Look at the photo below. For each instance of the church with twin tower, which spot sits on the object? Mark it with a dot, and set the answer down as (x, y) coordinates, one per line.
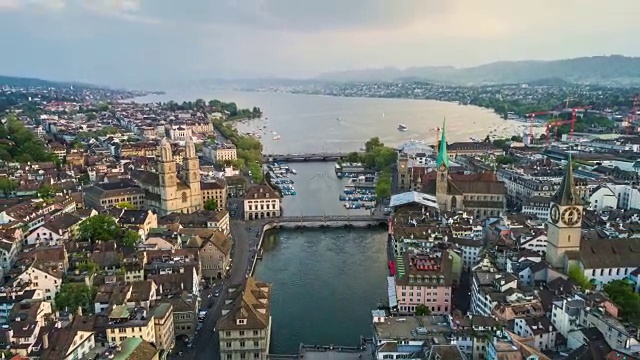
(565, 221)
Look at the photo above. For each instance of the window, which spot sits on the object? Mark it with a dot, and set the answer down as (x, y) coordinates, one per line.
(256, 355)
(229, 356)
(184, 197)
(242, 332)
(241, 343)
(228, 344)
(256, 343)
(227, 333)
(243, 356)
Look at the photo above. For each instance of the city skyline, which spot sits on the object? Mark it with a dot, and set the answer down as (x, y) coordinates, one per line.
(138, 42)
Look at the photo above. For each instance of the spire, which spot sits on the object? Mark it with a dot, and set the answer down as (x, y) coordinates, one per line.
(443, 157)
(190, 148)
(166, 154)
(566, 194)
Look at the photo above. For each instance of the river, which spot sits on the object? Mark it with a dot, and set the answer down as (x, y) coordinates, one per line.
(326, 282)
(312, 123)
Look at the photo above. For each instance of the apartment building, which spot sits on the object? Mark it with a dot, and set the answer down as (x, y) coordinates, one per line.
(220, 152)
(245, 325)
(261, 202)
(108, 195)
(214, 190)
(424, 280)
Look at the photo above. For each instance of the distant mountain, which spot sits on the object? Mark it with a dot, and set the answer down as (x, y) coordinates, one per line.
(33, 82)
(613, 70)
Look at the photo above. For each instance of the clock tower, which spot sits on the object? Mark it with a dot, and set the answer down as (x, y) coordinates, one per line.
(442, 175)
(565, 220)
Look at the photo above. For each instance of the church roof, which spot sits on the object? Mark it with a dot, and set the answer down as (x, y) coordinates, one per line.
(566, 194)
(610, 253)
(443, 157)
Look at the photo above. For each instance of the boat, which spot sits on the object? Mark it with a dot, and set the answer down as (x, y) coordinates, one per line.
(293, 171)
(402, 127)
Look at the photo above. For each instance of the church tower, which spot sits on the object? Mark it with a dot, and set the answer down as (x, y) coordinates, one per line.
(442, 168)
(192, 169)
(565, 220)
(167, 176)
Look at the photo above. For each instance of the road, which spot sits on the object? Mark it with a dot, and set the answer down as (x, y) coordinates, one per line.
(206, 344)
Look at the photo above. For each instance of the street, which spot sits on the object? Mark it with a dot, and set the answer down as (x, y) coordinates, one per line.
(206, 345)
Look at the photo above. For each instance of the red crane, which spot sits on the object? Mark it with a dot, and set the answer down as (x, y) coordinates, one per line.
(557, 123)
(531, 117)
(634, 115)
(573, 119)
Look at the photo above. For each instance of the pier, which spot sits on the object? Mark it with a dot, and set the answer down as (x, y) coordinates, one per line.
(324, 156)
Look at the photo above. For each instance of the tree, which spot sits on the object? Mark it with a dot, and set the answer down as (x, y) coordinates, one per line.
(130, 238)
(47, 192)
(99, 228)
(89, 266)
(577, 275)
(126, 205)
(8, 186)
(211, 204)
(74, 295)
(91, 116)
(505, 160)
(422, 310)
(622, 294)
(383, 187)
(373, 143)
(352, 157)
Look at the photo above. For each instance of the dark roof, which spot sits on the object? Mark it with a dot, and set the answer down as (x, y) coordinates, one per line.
(62, 223)
(610, 253)
(113, 189)
(133, 217)
(262, 191)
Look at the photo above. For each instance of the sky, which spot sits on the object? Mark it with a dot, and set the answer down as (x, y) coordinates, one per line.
(127, 42)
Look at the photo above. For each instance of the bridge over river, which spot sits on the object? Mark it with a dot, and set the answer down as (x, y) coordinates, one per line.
(321, 156)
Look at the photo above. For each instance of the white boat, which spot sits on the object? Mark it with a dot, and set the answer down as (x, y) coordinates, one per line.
(293, 171)
(402, 127)
(276, 137)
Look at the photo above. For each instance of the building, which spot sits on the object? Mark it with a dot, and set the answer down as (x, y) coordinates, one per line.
(164, 191)
(67, 344)
(45, 278)
(424, 280)
(245, 326)
(220, 153)
(163, 324)
(129, 322)
(473, 149)
(215, 190)
(107, 195)
(261, 202)
(479, 193)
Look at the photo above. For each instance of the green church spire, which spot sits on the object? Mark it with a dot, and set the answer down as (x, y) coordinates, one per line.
(566, 194)
(443, 157)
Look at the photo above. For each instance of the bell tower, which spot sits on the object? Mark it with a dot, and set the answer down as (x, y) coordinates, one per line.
(565, 220)
(442, 169)
(192, 168)
(167, 175)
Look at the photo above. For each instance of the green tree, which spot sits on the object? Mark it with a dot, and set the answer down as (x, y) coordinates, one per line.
(383, 186)
(74, 295)
(130, 238)
(47, 191)
(422, 310)
(577, 275)
(505, 160)
(622, 294)
(372, 144)
(99, 228)
(8, 186)
(89, 266)
(91, 116)
(126, 205)
(353, 157)
(211, 204)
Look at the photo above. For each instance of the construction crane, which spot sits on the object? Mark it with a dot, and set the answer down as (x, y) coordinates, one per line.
(574, 112)
(531, 118)
(555, 123)
(633, 117)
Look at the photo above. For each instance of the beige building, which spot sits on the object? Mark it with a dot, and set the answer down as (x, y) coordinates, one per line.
(261, 202)
(220, 153)
(164, 191)
(130, 322)
(108, 195)
(214, 250)
(245, 326)
(163, 324)
(216, 190)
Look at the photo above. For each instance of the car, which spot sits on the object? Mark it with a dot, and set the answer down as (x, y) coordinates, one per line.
(217, 293)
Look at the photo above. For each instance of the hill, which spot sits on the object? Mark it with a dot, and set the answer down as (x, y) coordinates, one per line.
(24, 82)
(611, 70)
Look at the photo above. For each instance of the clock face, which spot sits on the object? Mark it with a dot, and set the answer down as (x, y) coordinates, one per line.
(554, 214)
(571, 216)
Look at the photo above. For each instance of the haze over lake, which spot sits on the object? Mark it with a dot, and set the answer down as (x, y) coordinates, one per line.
(311, 123)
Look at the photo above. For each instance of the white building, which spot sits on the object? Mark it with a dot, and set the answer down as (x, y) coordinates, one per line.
(47, 280)
(261, 202)
(540, 329)
(470, 250)
(565, 315)
(616, 196)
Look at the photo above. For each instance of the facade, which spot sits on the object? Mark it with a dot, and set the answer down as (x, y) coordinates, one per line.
(216, 190)
(479, 193)
(261, 202)
(424, 280)
(67, 344)
(129, 322)
(108, 195)
(473, 148)
(163, 324)
(220, 153)
(537, 206)
(164, 192)
(49, 280)
(245, 326)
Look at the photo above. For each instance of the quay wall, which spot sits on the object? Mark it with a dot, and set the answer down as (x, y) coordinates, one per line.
(301, 224)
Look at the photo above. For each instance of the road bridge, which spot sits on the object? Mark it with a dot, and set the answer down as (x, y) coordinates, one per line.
(321, 156)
